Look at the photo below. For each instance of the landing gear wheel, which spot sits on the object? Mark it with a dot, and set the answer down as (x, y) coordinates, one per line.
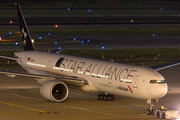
(99, 96)
(105, 97)
(158, 114)
(152, 112)
(112, 97)
(148, 112)
(163, 116)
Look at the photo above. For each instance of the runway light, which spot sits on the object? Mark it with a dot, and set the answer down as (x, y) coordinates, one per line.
(0, 38)
(32, 40)
(68, 8)
(89, 10)
(82, 41)
(74, 38)
(153, 35)
(59, 48)
(10, 33)
(49, 33)
(56, 26)
(16, 43)
(55, 42)
(132, 21)
(87, 40)
(161, 8)
(10, 22)
(39, 37)
(102, 47)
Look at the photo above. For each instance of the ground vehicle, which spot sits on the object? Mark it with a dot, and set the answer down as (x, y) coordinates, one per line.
(165, 113)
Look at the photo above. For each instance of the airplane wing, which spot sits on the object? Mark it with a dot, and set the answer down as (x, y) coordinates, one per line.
(164, 66)
(69, 80)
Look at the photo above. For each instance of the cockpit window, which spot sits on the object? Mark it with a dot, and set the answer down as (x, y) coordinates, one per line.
(157, 81)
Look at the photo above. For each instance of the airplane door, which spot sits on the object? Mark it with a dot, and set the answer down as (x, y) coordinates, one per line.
(135, 83)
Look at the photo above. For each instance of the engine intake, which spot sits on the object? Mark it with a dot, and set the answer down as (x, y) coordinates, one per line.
(54, 91)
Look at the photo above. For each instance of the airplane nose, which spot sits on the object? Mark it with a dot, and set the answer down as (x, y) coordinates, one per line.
(163, 90)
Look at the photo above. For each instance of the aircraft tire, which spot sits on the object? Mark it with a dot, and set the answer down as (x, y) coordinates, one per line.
(148, 112)
(163, 116)
(152, 112)
(99, 97)
(105, 97)
(112, 97)
(158, 114)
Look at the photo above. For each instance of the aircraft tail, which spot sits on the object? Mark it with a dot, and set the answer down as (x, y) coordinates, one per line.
(26, 38)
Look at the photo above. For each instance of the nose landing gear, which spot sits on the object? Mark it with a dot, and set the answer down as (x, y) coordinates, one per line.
(151, 111)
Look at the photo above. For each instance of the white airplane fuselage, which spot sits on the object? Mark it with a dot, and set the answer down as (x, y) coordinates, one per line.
(102, 76)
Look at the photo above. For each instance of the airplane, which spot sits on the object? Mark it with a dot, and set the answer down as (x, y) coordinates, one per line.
(56, 73)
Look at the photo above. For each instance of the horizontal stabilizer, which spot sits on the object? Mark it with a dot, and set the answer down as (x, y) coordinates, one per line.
(164, 66)
(11, 58)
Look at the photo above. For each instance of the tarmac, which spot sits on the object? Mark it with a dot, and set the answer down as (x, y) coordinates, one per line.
(20, 99)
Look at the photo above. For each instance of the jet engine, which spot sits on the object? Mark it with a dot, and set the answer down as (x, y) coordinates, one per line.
(54, 91)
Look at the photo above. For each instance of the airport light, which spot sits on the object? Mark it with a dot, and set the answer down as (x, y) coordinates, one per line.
(16, 43)
(87, 40)
(0, 38)
(10, 33)
(153, 35)
(59, 48)
(49, 33)
(56, 26)
(161, 8)
(89, 10)
(82, 41)
(74, 38)
(39, 37)
(103, 47)
(32, 40)
(68, 8)
(55, 42)
(132, 21)
(10, 22)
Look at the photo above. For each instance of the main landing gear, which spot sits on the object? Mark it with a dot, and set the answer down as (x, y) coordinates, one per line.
(151, 111)
(105, 97)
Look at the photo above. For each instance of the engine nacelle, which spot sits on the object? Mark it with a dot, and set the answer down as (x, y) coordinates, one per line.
(54, 91)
